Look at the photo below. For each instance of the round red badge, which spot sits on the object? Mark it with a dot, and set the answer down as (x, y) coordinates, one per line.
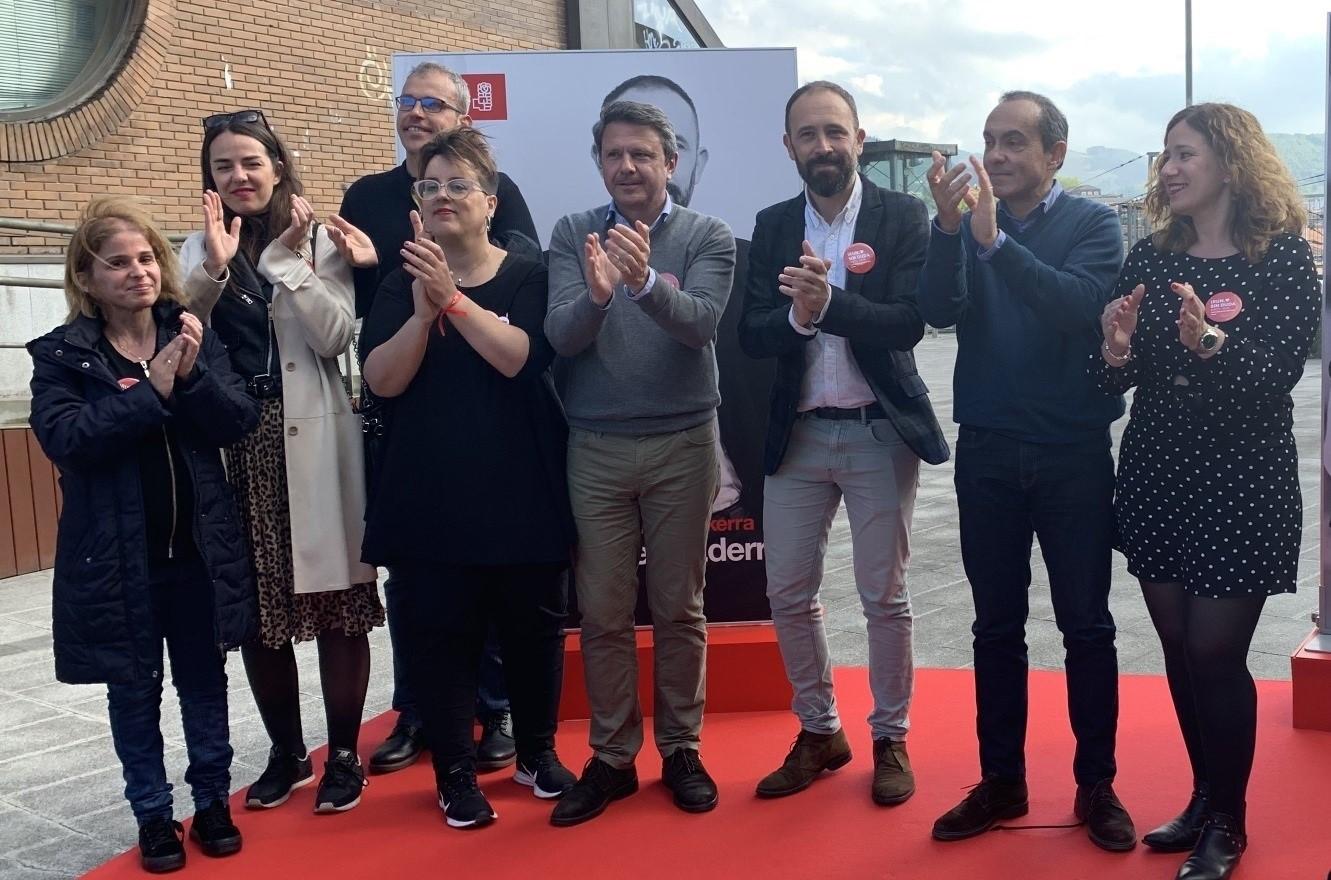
(127, 383)
(1224, 306)
(859, 258)
(670, 279)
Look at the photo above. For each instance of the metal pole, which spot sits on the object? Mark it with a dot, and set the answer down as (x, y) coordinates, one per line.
(1187, 49)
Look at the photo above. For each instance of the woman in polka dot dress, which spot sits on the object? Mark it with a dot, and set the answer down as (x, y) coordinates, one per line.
(1213, 321)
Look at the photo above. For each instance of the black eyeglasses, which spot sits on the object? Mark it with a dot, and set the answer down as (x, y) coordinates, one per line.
(429, 105)
(241, 116)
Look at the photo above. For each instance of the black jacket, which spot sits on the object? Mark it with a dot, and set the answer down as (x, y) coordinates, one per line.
(90, 429)
(876, 313)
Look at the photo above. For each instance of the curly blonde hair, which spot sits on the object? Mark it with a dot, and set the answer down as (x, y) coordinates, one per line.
(1266, 201)
(103, 217)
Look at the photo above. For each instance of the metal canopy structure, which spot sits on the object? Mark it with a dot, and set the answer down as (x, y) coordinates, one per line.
(902, 165)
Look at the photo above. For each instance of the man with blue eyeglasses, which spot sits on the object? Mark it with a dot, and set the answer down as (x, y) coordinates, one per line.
(374, 222)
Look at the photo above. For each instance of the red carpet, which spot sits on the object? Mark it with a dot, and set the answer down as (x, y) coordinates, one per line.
(831, 830)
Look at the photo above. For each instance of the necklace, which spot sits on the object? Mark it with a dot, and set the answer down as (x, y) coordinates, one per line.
(129, 351)
(482, 270)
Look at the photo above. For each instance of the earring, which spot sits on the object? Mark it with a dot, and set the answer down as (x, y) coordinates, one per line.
(488, 219)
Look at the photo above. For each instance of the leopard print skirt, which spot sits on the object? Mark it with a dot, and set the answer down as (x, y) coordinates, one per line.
(257, 469)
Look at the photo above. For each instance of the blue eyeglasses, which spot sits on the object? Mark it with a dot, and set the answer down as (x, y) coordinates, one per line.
(428, 104)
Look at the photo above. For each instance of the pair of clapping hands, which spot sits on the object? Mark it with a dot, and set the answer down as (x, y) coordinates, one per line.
(222, 241)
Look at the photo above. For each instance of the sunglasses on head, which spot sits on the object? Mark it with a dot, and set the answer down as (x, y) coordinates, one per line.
(241, 116)
(428, 104)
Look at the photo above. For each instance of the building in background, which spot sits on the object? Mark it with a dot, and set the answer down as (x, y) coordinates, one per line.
(107, 96)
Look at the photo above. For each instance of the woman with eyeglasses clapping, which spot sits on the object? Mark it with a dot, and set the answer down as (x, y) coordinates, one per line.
(472, 507)
(278, 292)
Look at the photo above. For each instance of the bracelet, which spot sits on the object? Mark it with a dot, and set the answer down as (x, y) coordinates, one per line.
(449, 309)
(1115, 360)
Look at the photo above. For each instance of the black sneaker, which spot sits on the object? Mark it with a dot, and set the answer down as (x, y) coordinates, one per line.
(341, 786)
(214, 831)
(547, 777)
(496, 749)
(461, 800)
(600, 784)
(283, 775)
(161, 846)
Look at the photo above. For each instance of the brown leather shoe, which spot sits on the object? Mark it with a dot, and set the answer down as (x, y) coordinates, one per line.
(811, 754)
(893, 780)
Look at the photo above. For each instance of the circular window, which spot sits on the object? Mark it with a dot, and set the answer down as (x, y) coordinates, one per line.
(56, 54)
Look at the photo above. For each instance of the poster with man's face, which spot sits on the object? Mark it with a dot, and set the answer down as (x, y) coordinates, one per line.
(727, 108)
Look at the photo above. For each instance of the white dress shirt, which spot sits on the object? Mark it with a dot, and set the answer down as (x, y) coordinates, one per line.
(831, 376)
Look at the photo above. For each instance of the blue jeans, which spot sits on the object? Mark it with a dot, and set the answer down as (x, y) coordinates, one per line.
(183, 616)
(1007, 492)
(491, 692)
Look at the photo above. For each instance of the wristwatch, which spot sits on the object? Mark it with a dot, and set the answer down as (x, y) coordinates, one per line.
(1210, 339)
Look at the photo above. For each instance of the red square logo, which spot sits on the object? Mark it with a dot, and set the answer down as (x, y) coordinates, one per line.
(489, 96)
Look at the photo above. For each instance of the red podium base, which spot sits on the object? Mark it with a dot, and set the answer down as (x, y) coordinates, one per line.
(1311, 672)
(744, 671)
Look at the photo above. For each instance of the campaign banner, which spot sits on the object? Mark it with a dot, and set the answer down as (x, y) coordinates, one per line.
(727, 107)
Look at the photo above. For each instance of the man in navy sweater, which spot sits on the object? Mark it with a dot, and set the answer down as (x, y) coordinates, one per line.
(1024, 276)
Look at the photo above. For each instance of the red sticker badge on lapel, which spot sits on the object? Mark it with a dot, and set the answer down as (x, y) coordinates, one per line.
(859, 258)
(1224, 306)
(670, 279)
(127, 383)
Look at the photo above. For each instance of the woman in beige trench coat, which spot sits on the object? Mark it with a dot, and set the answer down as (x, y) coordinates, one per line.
(275, 289)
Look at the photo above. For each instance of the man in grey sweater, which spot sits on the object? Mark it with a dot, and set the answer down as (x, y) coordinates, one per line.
(636, 290)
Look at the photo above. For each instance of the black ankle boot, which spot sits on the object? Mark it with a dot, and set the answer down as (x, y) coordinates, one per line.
(1181, 833)
(1217, 852)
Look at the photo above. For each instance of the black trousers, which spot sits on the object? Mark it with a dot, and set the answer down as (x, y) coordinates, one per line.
(1009, 491)
(448, 611)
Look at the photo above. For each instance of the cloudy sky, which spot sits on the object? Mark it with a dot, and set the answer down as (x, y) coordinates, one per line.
(932, 70)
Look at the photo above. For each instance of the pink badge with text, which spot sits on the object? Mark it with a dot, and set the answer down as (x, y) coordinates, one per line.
(859, 258)
(670, 279)
(1224, 306)
(127, 383)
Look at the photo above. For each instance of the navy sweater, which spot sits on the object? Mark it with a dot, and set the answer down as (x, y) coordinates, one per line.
(1026, 320)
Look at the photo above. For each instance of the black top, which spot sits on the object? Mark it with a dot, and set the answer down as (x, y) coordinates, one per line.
(168, 491)
(473, 472)
(380, 205)
(241, 320)
(1244, 391)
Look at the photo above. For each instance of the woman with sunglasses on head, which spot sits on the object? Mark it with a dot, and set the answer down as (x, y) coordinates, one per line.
(472, 508)
(277, 291)
(131, 399)
(1212, 325)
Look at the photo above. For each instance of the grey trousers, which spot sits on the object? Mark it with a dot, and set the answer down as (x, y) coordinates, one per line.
(869, 465)
(629, 492)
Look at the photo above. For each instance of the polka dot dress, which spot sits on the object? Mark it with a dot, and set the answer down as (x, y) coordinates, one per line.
(1208, 490)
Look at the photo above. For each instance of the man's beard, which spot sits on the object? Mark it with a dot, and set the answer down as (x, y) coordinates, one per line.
(815, 174)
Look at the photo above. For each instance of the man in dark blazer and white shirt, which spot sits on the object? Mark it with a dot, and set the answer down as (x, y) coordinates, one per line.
(831, 295)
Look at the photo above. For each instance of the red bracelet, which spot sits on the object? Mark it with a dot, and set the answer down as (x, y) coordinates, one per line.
(449, 310)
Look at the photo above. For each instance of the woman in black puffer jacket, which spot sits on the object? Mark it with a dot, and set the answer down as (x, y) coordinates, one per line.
(131, 399)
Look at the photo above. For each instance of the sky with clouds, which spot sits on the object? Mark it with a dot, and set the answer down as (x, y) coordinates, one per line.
(931, 71)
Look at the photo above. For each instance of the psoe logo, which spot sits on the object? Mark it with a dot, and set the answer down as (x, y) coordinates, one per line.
(489, 96)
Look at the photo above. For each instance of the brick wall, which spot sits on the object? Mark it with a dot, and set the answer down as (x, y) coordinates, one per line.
(319, 69)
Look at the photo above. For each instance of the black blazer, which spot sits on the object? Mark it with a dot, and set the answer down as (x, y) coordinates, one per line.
(876, 312)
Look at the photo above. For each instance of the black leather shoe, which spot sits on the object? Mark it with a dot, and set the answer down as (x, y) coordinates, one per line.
(1181, 833)
(496, 749)
(403, 746)
(1107, 824)
(600, 784)
(214, 831)
(161, 846)
(683, 773)
(988, 803)
(1217, 852)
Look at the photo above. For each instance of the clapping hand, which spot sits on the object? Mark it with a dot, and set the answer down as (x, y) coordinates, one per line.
(220, 242)
(353, 244)
(302, 215)
(1118, 322)
(806, 285)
